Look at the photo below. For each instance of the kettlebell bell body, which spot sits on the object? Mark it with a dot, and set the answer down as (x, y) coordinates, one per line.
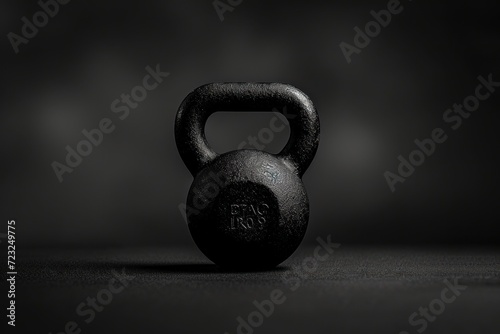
(247, 209)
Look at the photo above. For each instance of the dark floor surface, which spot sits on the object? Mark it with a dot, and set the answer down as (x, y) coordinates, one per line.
(369, 289)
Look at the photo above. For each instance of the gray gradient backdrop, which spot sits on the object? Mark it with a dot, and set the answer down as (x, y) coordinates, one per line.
(127, 192)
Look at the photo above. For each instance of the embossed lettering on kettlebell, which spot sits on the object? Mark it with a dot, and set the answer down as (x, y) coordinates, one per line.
(248, 216)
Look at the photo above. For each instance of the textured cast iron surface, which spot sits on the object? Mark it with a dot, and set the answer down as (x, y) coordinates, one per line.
(247, 208)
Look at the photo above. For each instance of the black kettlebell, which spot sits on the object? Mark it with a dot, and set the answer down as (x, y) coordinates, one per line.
(247, 209)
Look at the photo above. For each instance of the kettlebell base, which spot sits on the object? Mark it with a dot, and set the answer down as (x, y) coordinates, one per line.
(253, 210)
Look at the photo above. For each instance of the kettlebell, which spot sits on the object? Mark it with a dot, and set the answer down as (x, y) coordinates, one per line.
(247, 209)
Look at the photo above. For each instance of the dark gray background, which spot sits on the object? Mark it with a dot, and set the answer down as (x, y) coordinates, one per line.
(119, 209)
(127, 192)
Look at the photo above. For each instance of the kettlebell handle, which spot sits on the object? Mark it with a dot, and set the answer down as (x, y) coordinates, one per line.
(207, 99)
